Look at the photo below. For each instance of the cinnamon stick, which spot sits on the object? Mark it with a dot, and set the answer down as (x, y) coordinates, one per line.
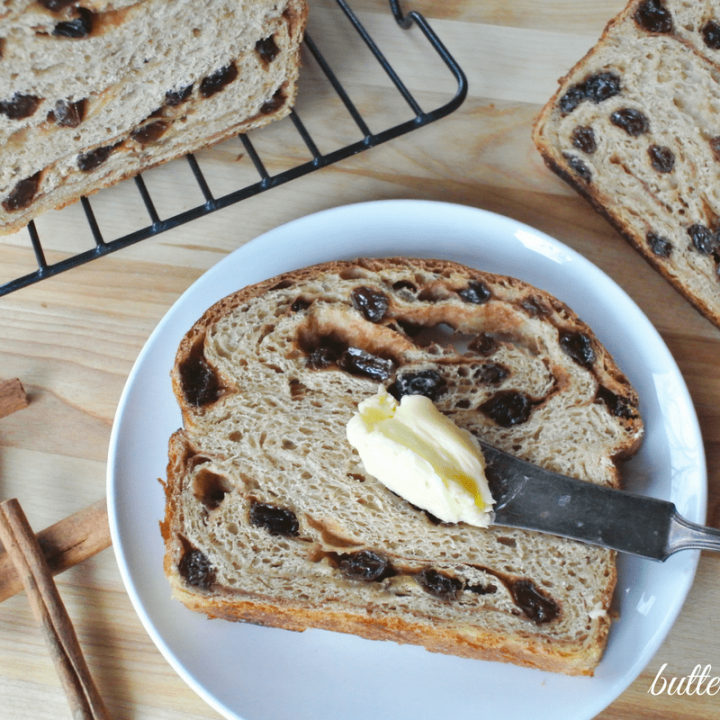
(64, 544)
(47, 606)
(12, 397)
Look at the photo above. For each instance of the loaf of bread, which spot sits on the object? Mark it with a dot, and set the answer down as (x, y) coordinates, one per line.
(634, 128)
(271, 517)
(94, 91)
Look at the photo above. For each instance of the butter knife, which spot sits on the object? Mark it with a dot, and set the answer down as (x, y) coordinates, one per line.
(530, 497)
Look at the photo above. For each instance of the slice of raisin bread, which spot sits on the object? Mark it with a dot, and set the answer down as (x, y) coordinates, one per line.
(634, 128)
(92, 91)
(272, 519)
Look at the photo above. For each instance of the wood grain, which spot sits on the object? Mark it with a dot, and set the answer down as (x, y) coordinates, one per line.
(73, 339)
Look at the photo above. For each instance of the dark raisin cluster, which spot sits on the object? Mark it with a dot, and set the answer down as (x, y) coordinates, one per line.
(597, 88)
(367, 565)
(94, 158)
(583, 138)
(533, 602)
(661, 158)
(616, 404)
(195, 567)
(372, 304)
(660, 246)
(67, 114)
(711, 34)
(703, 239)
(276, 520)
(425, 382)
(218, 81)
(579, 347)
(579, 167)
(653, 16)
(632, 121)
(199, 383)
(507, 408)
(79, 27)
(439, 584)
(22, 194)
(19, 106)
(476, 293)
(150, 132)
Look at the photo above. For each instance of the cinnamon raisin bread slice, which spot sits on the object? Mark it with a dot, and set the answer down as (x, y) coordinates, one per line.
(272, 519)
(93, 91)
(634, 128)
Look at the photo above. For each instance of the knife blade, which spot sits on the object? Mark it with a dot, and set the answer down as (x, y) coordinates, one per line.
(533, 498)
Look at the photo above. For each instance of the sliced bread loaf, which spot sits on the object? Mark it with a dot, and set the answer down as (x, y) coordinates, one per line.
(271, 517)
(92, 92)
(634, 128)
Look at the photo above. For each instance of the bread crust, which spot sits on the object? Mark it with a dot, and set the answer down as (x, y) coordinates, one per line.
(468, 637)
(639, 201)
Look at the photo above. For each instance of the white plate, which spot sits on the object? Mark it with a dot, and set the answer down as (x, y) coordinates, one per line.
(257, 673)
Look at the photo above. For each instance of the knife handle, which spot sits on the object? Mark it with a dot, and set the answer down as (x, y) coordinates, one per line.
(686, 535)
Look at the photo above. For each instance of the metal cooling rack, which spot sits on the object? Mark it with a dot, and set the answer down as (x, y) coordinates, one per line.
(267, 181)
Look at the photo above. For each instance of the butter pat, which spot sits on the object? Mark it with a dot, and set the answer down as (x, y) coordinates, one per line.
(423, 456)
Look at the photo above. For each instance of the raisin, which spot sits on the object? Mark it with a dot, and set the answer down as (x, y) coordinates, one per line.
(177, 97)
(267, 49)
(22, 194)
(220, 79)
(702, 238)
(711, 34)
(67, 114)
(56, 5)
(19, 106)
(273, 104)
(602, 86)
(616, 404)
(195, 567)
(476, 292)
(579, 167)
(360, 362)
(535, 307)
(596, 88)
(150, 132)
(484, 344)
(276, 520)
(366, 565)
(662, 158)
(715, 147)
(508, 408)
(300, 303)
(426, 382)
(439, 584)
(79, 27)
(90, 160)
(659, 245)
(654, 17)
(488, 589)
(583, 138)
(632, 121)
(533, 602)
(572, 98)
(491, 373)
(199, 383)
(579, 347)
(372, 304)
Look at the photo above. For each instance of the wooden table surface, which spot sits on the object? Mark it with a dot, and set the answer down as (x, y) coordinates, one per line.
(72, 339)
